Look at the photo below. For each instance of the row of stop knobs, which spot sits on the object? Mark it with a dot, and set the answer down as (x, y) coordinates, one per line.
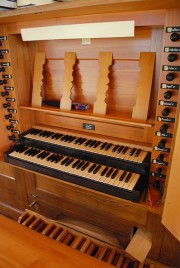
(6, 94)
(170, 76)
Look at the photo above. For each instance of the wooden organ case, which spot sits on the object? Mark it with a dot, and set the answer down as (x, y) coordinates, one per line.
(127, 133)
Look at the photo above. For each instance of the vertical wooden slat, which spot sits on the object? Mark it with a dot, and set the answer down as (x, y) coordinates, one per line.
(140, 110)
(23, 217)
(38, 79)
(49, 228)
(105, 60)
(120, 262)
(85, 245)
(103, 253)
(62, 235)
(55, 233)
(69, 61)
(77, 242)
(29, 220)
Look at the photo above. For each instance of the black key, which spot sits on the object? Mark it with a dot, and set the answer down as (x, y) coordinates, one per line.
(108, 146)
(53, 137)
(77, 141)
(49, 134)
(58, 158)
(92, 143)
(67, 138)
(43, 155)
(21, 149)
(91, 168)
(109, 172)
(80, 164)
(72, 138)
(123, 175)
(96, 144)
(85, 166)
(32, 131)
(120, 149)
(31, 151)
(28, 151)
(114, 174)
(69, 162)
(42, 133)
(87, 142)
(64, 137)
(132, 151)
(81, 141)
(65, 160)
(76, 163)
(54, 158)
(103, 145)
(104, 171)
(35, 131)
(35, 152)
(137, 152)
(128, 177)
(124, 150)
(56, 136)
(96, 169)
(115, 148)
(51, 158)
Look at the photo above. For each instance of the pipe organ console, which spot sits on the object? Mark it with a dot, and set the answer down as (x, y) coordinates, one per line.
(90, 126)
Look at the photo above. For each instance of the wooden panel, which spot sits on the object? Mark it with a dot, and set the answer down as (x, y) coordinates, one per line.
(4, 122)
(21, 66)
(170, 250)
(123, 131)
(123, 48)
(171, 211)
(73, 198)
(28, 118)
(13, 191)
(121, 97)
(107, 204)
(155, 227)
(76, 8)
(10, 211)
(148, 18)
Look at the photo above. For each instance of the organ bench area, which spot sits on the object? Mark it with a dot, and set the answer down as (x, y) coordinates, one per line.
(90, 129)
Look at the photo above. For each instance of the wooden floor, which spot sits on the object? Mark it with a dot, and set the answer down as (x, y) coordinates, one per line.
(23, 247)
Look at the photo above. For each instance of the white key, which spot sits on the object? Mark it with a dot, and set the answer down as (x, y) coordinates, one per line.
(115, 181)
(126, 184)
(133, 182)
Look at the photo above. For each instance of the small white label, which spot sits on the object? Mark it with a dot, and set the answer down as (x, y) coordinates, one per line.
(86, 41)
